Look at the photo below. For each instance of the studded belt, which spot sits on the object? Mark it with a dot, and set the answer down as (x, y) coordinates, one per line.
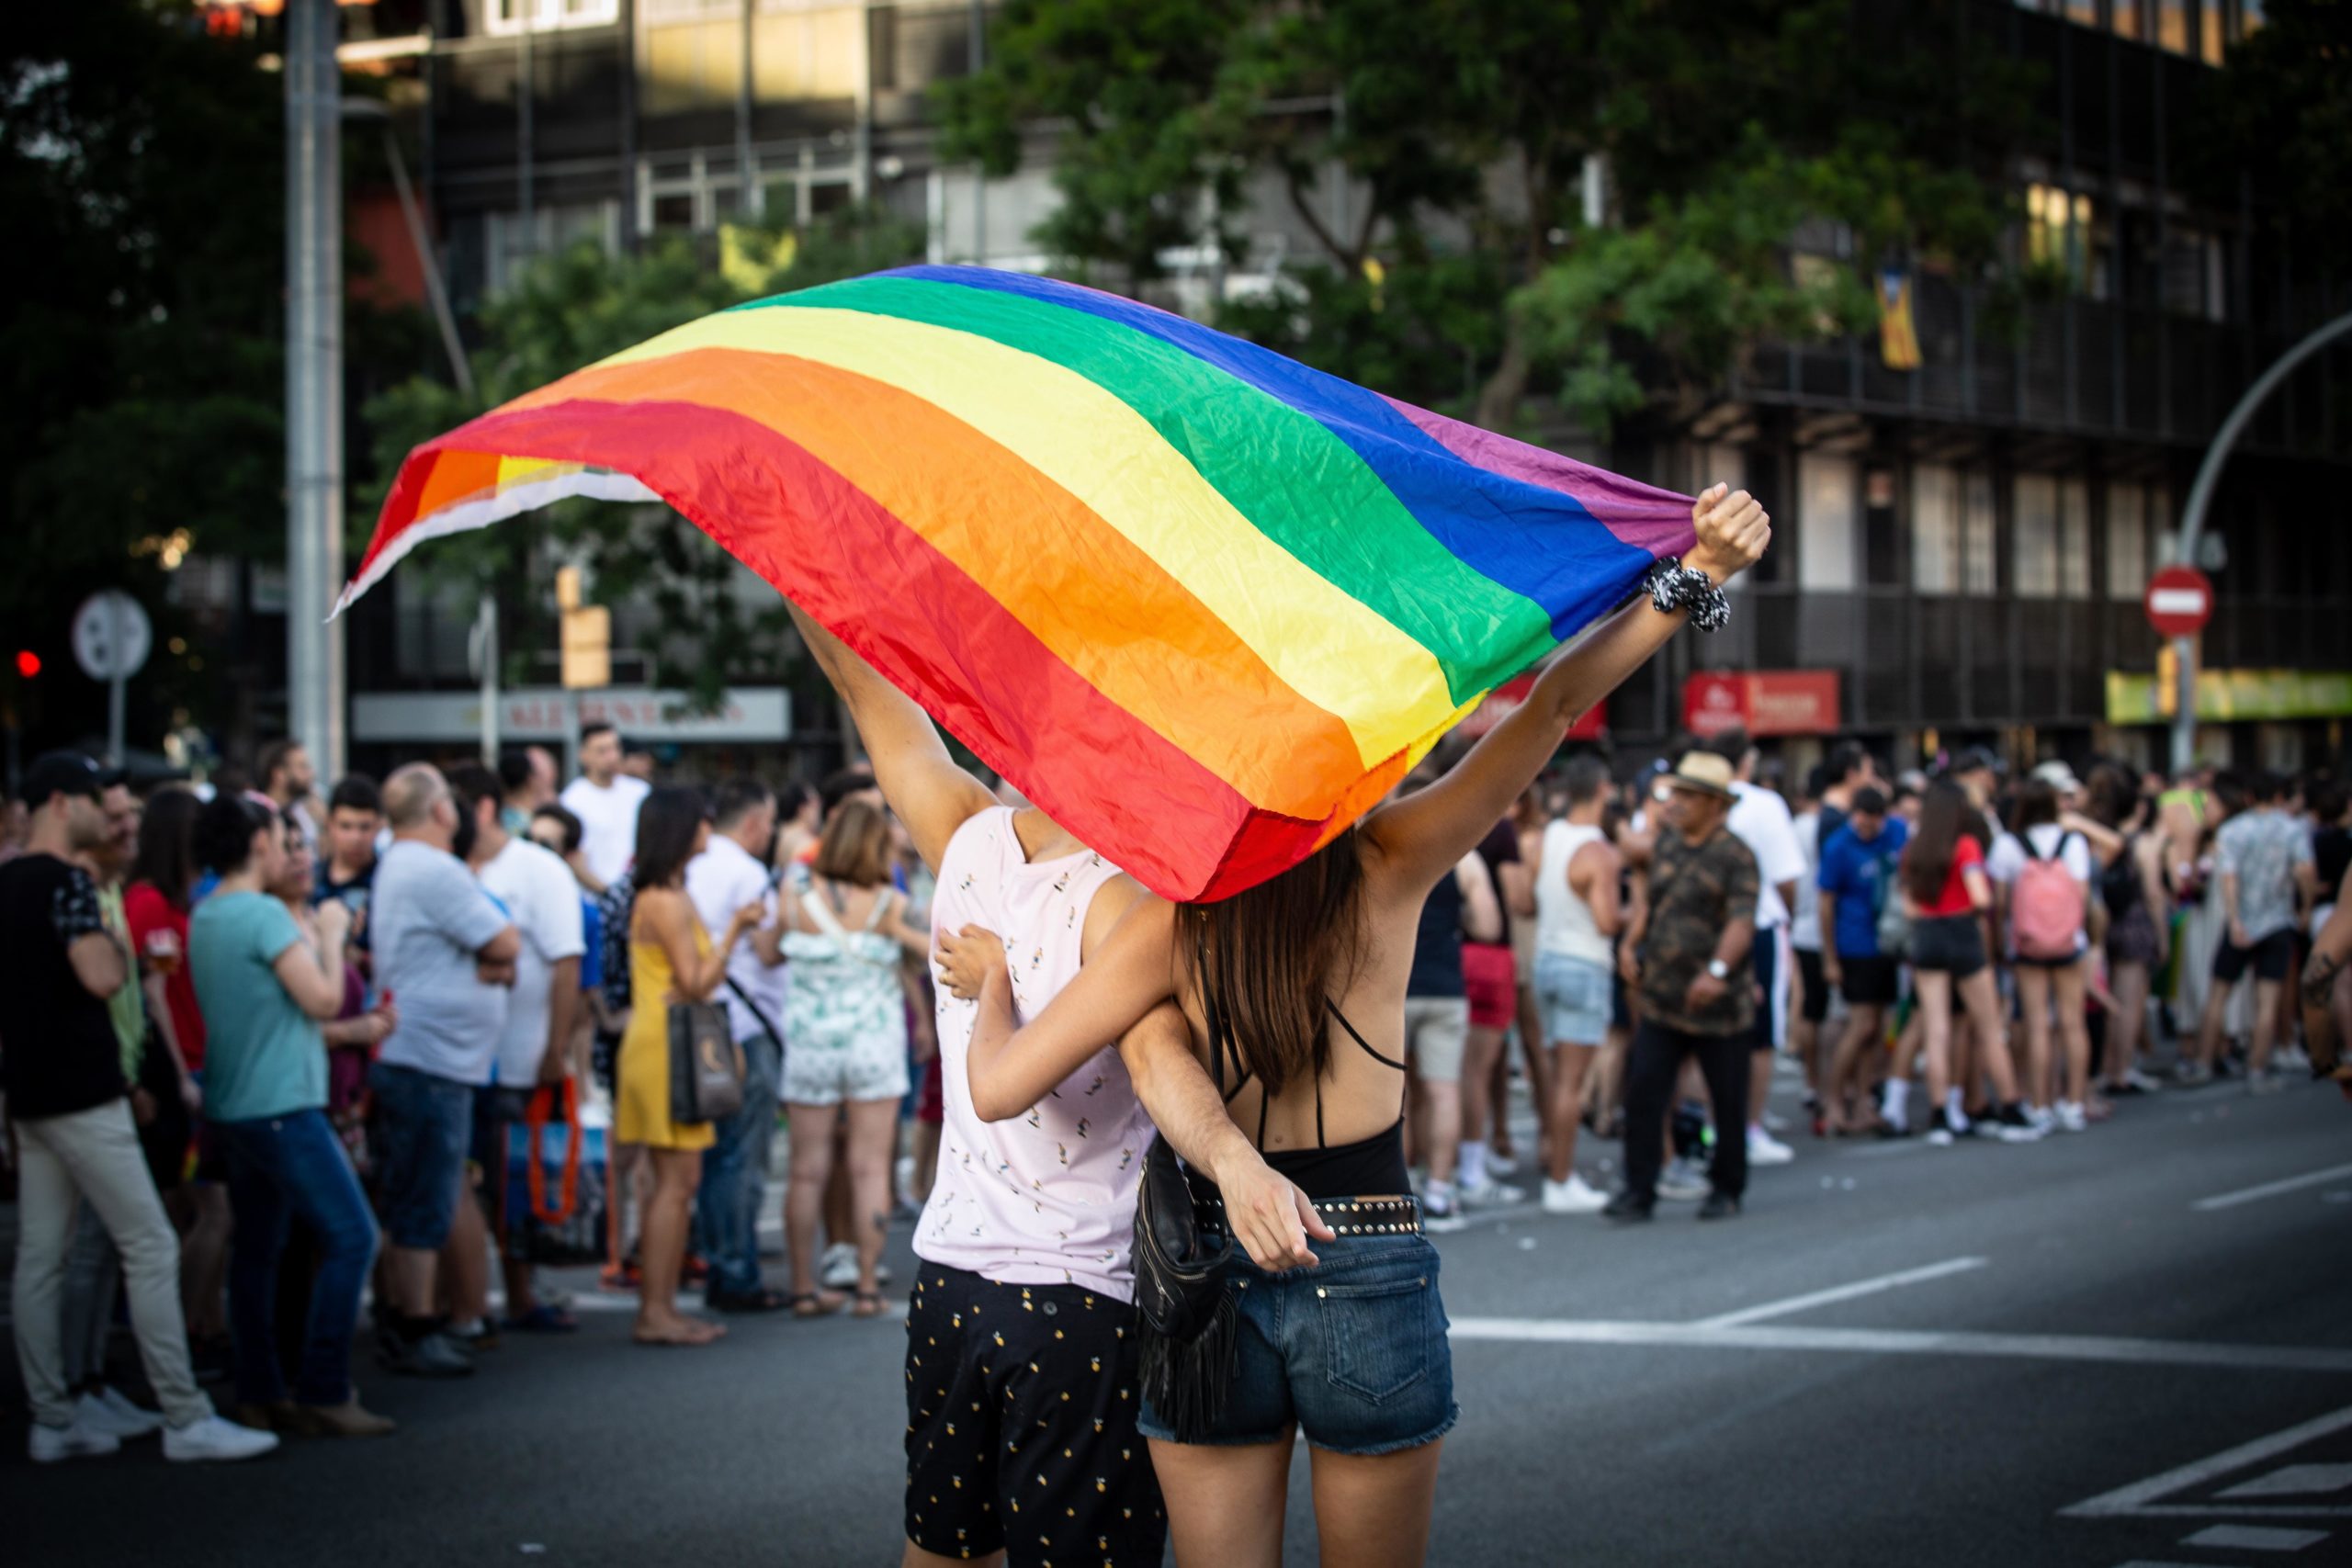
(1346, 1217)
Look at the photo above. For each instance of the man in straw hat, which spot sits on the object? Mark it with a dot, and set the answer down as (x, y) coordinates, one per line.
(1686, 952)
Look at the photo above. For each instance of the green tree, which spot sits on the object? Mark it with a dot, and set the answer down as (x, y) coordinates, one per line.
(571, 309)
(1467, 275)
(140, 349)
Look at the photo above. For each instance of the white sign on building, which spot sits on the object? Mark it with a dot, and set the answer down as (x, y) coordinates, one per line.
(536, 713)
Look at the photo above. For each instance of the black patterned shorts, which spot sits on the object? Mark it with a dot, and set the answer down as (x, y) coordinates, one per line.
(1021, 1425)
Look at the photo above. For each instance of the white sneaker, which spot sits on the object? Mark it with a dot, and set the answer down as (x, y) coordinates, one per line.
(49, 1444)
(2142, 1082)
(837, 1270)
(1490, 1194)
(1441, 1217)
(108, 1411)
(2290, 1058)
(1573, 1196)
(1765, 1150)
(2044, 1120)
(215, 1439)
(1498, 1166)
(2071, 1118)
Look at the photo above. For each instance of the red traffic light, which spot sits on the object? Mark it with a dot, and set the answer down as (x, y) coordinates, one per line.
(27, 664)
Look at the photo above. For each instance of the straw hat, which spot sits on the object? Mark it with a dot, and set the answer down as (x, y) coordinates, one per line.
(1703, 772)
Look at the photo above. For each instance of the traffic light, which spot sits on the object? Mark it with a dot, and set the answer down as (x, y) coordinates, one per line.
(27, 664)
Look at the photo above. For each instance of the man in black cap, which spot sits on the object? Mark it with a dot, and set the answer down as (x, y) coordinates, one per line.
(63, 1070)
(1687, 952)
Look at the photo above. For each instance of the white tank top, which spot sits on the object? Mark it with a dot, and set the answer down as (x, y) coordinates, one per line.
(1048, 1198)
(1563, 922)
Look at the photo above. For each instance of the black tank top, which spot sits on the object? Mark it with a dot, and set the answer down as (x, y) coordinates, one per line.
(1368, 1167)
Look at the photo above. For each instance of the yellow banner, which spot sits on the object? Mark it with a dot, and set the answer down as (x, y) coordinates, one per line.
(2224, 694)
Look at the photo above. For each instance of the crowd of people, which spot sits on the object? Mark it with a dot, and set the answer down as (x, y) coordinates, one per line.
(281, 1058)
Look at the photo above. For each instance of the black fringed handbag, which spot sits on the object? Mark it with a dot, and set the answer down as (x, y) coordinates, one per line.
(1186, 1317)
(1184, 1302)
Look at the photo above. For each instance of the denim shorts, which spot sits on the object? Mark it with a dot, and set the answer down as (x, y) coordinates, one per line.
(424, 1128)
(1352, 1352)
(1573, 996)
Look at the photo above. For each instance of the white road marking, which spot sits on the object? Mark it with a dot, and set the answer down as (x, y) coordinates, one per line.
(1907, 1342)
(2295, 1480)
(1869, 1287)
(2271, 1189)
(2138, 1497)
(2254, 1537)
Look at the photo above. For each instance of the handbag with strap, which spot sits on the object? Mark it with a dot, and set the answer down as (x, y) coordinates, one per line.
(707, 1067)
(1186, 1318)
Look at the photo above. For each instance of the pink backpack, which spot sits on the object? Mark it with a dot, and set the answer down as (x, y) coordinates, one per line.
(2046, 912)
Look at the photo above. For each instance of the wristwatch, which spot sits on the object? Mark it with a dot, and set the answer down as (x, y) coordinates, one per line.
(1718, 968)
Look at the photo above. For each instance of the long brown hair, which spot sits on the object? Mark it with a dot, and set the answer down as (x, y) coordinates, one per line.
(1268, 962)
(1943, 820)
(855, 848)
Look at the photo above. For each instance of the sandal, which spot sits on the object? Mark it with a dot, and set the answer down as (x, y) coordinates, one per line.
(814, 1304)
(869, 1304)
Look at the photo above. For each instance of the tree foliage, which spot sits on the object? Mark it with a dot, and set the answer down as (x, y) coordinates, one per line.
(1467, 274)
(141, 348)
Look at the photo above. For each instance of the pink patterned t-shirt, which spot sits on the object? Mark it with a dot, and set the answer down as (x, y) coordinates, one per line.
(1048, 1197)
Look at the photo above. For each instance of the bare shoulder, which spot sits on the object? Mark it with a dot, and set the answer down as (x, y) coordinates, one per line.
(1113, 903)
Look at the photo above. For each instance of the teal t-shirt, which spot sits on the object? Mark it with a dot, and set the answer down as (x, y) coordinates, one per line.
(263, 1055)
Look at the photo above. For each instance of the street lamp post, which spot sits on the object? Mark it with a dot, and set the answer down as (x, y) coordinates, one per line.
(314, 672)
(2192, 521)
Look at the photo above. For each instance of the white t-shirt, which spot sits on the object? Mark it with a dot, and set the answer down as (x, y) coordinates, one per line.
(1759, 819)
(607, 821)
(543, 900)
(1805, 925)
(719, 881)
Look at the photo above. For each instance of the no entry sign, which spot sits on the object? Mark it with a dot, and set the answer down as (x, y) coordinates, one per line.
(2180, 601)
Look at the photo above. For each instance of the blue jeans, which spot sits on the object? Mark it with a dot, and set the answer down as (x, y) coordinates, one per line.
(424, 1127)
(1353, 1352)
(735, 1174)
(282, 1169)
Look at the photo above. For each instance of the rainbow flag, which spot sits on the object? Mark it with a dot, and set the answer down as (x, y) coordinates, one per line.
(1203, 605)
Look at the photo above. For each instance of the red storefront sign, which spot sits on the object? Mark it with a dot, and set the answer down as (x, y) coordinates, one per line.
(1762, 702)
(1593, 725)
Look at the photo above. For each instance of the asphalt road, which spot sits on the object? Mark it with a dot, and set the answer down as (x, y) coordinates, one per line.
(2067, 1354)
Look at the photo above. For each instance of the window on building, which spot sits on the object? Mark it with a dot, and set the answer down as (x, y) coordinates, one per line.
(506, 16)
(2250, 18)
(673, 209)
(2212, 40)
(1826, 523)
(2062, 235)
(1980, 535)
(2075, 538)
(1882, 543)
(799, 52)
(2127, 541)
(2083, 12)
(2037, 536)
(691, 64)
(2124, 17)
(2172, 26)
(2195, 281)
(511, 244)
(1935, 529)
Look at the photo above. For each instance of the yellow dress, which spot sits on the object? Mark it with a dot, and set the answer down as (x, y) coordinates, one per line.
(643, 1074)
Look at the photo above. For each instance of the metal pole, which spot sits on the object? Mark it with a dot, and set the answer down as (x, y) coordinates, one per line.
(979, 171)
(486, 641)
(460, 369)
(115, 682)
(314, 670)
(2200, 496)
